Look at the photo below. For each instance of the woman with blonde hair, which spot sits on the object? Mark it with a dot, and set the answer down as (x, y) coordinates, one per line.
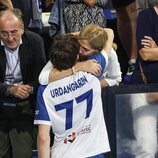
(95, 36)
(96, 44)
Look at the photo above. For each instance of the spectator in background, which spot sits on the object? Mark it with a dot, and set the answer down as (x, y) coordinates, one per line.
(126, 25)
(147, 40)
(82, 133)
(26, 8)
(73, 15)
(142, 4)
(78, 13)
(36, 20)
(32, 17)
(47, 5)
(20, 54)
(31, 13)
(56, 18)
(145, 111)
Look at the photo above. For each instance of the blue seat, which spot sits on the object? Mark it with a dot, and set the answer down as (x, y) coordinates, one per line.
(110, 14)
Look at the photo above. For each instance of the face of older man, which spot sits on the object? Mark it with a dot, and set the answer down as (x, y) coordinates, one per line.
(11, 30)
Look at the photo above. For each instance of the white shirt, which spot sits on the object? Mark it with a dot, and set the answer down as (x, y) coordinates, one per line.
(13, 71)
(113, 71)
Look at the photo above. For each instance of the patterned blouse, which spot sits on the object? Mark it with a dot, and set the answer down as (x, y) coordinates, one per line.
(77, 14)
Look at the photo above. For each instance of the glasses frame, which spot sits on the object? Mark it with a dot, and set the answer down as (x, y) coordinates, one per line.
(6, 34)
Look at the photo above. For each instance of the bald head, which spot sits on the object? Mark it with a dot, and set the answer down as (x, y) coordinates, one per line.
(11, 28)
(11, 15)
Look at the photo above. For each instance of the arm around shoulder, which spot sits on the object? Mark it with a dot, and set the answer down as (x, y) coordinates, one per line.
(109, 42)
(90, 66)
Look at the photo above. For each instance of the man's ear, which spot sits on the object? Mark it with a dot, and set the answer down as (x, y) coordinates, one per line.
(22, 28)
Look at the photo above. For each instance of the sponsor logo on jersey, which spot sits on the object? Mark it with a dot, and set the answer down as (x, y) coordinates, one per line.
(74, 135)
(86, 129)
(70, 138)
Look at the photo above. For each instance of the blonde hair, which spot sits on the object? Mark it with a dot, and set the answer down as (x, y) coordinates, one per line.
(96, 36)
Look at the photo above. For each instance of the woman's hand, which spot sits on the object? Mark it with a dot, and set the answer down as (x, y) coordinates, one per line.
(148, 42)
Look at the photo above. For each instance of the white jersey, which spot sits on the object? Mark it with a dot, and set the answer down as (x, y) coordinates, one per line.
(73, 107)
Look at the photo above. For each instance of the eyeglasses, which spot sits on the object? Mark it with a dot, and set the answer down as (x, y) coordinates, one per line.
(6, 34)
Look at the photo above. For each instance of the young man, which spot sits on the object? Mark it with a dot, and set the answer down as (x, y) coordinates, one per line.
(72, 107)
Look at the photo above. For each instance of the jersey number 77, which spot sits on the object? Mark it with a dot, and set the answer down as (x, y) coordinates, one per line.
(68, 106)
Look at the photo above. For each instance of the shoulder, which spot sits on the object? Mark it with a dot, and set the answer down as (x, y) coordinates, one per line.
(98, 56)
(41, 89)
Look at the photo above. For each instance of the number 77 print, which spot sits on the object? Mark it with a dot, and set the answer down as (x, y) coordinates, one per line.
(68, 106)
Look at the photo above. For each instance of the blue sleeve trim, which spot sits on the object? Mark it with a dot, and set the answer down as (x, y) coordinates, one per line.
(41, 112)
(101, 60)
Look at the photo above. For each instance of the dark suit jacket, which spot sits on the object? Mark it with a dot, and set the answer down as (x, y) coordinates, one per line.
(32, 60)
(26, 8)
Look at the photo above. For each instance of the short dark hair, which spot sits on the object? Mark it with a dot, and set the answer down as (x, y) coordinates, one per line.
(63, 51)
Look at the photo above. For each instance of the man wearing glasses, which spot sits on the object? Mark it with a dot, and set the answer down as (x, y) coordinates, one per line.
(21, 59)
